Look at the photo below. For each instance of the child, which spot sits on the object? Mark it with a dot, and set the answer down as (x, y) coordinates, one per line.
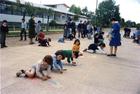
(61, 40)
(3, 31)
(69, 55)
(42, 40)
(95, 47)
(40, 70)
(57, 65)
(98, 37)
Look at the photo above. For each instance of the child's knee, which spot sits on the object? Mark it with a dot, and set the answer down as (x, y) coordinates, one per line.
(30, 75)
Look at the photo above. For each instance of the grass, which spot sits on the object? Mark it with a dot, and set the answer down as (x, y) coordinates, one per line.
(17, 33)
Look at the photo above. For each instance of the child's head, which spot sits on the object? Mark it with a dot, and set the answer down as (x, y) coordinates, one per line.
(102, 45)
(77, 42)
(49, 39)
(47, 60)
(4, 23)
(59, 55)
(75, 54)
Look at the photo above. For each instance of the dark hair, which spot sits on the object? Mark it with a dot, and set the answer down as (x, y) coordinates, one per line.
(102, 44)
(4, 21)
(49, 39)
(76, 54)
(77, 40)
(60, 52)
(39, 21)
(23, 19)
(48, 59)
(113, 19)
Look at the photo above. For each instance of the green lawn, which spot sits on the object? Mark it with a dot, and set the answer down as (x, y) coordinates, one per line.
(17, 33)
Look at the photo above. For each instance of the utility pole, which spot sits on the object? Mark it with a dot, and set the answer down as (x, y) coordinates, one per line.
(96, 12)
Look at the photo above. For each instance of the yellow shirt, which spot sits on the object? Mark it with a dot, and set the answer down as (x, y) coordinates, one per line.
(75, 48)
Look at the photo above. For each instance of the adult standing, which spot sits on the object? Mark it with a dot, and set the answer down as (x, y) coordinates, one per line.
(37, 29)
(115, 37)
(31, 29)
(74, 29)
(65, 30)
(3, 31)
(80, 29)
(23, 30)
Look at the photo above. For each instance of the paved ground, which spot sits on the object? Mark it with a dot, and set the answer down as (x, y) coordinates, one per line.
(95, 73)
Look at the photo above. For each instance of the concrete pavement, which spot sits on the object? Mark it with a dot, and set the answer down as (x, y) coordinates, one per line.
(94, 74)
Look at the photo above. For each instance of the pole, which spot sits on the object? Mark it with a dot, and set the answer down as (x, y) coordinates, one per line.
(96, 12)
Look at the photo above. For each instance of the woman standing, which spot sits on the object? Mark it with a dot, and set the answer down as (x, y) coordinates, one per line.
(31, 29)
(115, 37)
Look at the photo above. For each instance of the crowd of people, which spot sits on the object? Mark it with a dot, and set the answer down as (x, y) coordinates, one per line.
(83, 29)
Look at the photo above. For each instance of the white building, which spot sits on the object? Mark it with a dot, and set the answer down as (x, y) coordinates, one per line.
(60, 15)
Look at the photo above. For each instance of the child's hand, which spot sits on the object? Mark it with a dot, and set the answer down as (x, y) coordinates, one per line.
(49, 77)
(44, 78)
(61, 71)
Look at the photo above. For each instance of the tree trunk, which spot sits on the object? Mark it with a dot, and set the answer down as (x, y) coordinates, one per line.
(47, 24)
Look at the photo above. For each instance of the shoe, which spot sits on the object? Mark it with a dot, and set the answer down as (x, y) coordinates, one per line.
(109, 54)
(5, 46)
(32, 43)
(2, 46)
(18, 74)
(113, 54)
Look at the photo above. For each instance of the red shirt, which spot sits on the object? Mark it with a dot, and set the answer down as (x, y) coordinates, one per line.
(41, 35)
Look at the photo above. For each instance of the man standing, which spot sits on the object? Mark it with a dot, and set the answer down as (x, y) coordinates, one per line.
(23, 30)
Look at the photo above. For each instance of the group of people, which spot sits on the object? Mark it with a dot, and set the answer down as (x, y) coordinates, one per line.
(52, 63)
(34, 31)
(84, 29)
(135, 36)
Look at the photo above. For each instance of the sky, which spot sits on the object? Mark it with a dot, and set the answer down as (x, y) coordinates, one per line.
(129, 9)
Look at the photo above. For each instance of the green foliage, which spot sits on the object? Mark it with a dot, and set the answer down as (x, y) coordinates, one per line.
(85, 11)
(76, 18)
(29, 8)
(106, 10)
(52, 23)
(76, 10)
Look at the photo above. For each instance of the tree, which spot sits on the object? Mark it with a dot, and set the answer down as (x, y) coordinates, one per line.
(107, 10)
(29, 8)
(50, 12)
(76, 10)
(85, 11)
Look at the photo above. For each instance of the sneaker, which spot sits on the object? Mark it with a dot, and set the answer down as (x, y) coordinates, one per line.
(18, 74)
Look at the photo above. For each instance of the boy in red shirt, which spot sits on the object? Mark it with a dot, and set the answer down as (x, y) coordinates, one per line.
(42, 40)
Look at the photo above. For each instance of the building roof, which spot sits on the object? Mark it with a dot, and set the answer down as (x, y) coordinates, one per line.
(47, 7)
(57, 4)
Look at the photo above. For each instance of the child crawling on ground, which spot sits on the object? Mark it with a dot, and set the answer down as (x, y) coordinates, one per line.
(42, 40)
(57, 65)
(94, 47)
(70, 56)
(40, 70)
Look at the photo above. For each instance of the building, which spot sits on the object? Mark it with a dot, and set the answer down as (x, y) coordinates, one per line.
(13, 13)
